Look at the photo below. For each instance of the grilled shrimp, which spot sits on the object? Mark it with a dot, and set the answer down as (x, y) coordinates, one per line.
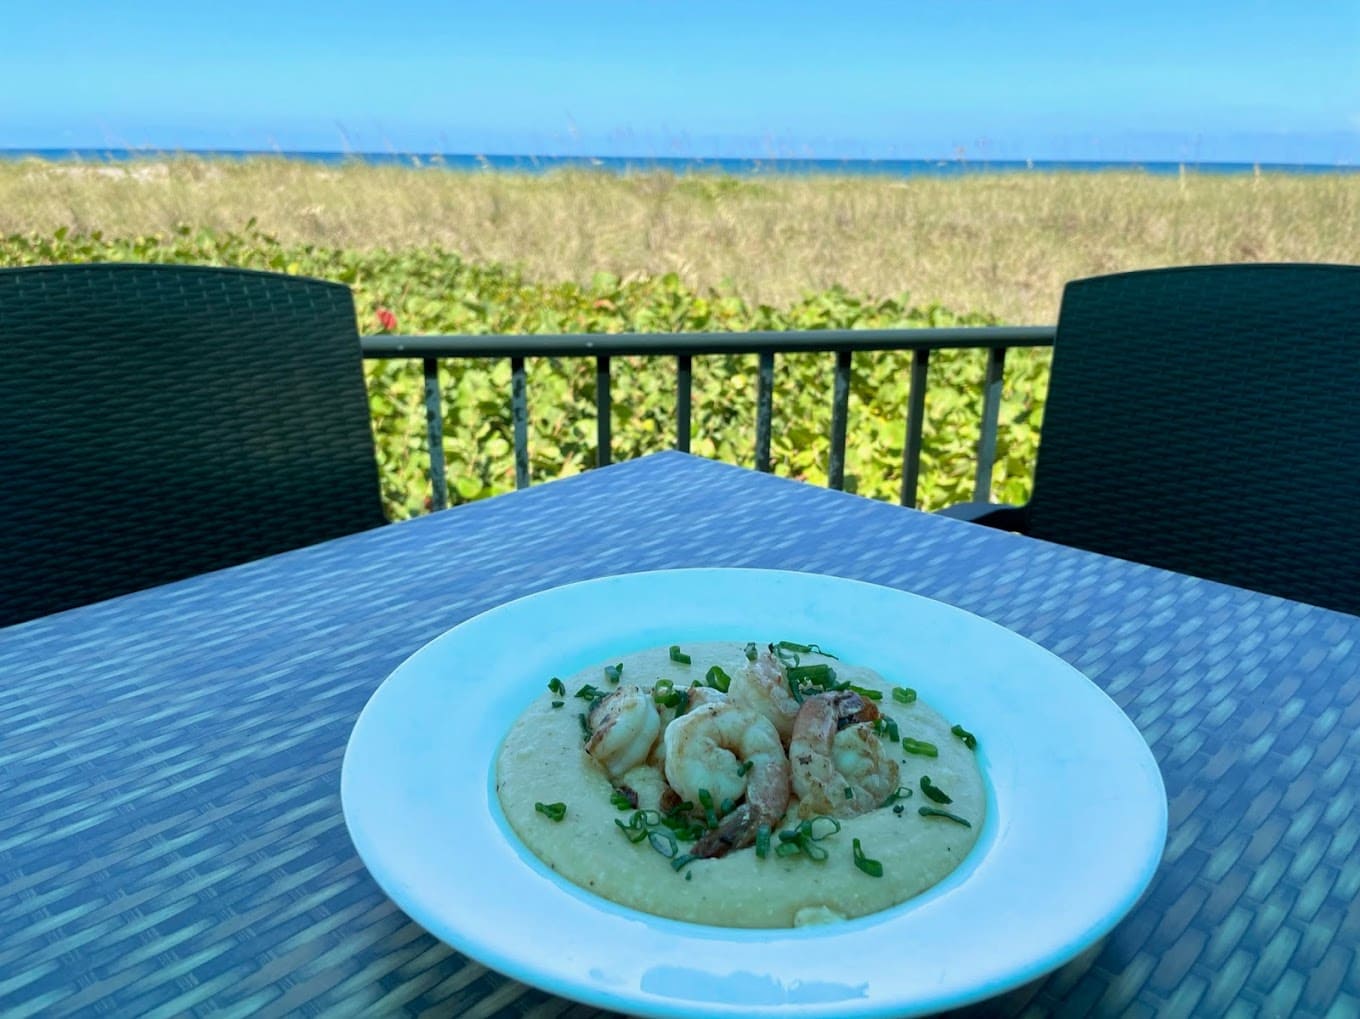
(763, 687)
(731, 754)
(838, 764)
(624, 726)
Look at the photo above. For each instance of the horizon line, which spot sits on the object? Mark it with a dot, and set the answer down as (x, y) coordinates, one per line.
(391, 154)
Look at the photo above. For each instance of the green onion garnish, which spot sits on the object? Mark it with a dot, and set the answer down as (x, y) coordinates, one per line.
(552, 811)
(819, 675)
(558, 704)
(613, 673)
(717, 679)
(969, 740)
(744, 767)
(763, 841)
(557, 687)
(903, 694)
(920, 747)
(589, 693)
(706, 801)
(665, 694)
(647, 824)
(788, 645)
(864, 691)
(804, 838)
(679, 656)
(886, 726)
(585, 724)
(849, 793)
(933, 792)
(621, 801)
(751, 651)
(902, 792)
(871, 867)
(936, 812)
(681, 862)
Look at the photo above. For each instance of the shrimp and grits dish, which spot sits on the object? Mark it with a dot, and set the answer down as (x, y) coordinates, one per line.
(741, 785)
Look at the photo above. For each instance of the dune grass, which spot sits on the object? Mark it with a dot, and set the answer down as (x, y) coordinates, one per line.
(1002, 244)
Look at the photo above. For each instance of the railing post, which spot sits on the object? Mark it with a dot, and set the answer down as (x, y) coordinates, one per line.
(991, 413)
(434, 434)
(683, 398)
(916, 417)
(764, 409)
(519, 413)
(840, 413)
(603, 440)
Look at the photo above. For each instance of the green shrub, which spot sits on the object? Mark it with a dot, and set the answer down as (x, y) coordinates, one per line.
(435, 291)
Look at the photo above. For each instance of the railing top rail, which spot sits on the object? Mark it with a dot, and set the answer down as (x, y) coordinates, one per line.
(623, 344)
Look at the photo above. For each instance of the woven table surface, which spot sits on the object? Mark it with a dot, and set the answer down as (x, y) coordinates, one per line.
(171, 839)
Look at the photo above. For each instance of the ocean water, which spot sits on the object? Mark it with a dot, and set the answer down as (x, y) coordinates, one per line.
(739, 167)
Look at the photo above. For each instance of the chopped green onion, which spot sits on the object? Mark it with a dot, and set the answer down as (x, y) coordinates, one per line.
(585, 725)
(717, 679)
(814, 852)
(665, 694)
(647, 824)
(864, 691)
(933, 791)
(969, 740)
(552, 811)
(679, 656)
(681, 862)
(706, 801)
(819, 675)
(903, 694)
(557, 687)
(558, 704)
(886, 726)
(849, 793)
(920, 747)
(589, 693)
(902, 792)
(638, 823)
(871, 867)
(621, 801)
(763, 841)
(751, 651)
(679, 820)
(803, 838)
(744, 767)
(810, 826)
(613, 673)
(788, 645)
(936, 812)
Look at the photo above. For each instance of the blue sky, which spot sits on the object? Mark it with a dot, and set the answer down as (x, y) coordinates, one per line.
(1193, 80)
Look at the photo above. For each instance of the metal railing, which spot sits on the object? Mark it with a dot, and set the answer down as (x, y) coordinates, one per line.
(684, 347)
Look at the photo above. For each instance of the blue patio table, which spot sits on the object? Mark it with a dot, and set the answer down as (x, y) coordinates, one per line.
(171, 839)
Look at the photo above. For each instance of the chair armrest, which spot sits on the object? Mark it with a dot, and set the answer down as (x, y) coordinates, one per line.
(1002, 516)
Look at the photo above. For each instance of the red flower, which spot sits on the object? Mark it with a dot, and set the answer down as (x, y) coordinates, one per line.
(387, 320)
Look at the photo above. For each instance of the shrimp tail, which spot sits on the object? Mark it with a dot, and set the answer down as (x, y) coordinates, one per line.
(735, 831)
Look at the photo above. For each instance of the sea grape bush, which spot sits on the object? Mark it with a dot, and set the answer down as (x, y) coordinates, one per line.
(430, 290)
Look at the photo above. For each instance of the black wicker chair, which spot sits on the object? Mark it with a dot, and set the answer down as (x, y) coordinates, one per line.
(1203, 419)
(160, 421)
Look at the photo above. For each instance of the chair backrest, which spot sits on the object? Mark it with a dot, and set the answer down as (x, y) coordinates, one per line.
(159, 421)
(1203, 419)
